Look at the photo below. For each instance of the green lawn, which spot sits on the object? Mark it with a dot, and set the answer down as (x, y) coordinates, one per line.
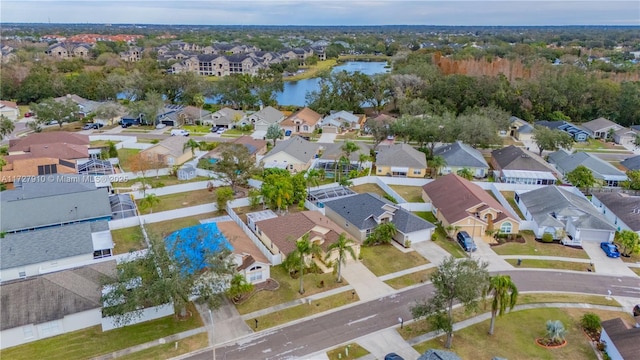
(409, 193)
(180, 200)
(165, 228)
(450, 246)
(91, 342)
(288, 290)
(386, 259)
(635, 270)
(301, 311)
(124, 155)
(533, 247)
(369, 188)
(160, 181)
(414, 278)
(23, 109)
(102, 143)
(127, 239)
(635, 258)
(550, 264)
(535, 298)
(169, 350)
(313, 70)
(203, 129)
(347, 352)
(595, 144)
(509, 195)
(516, 333)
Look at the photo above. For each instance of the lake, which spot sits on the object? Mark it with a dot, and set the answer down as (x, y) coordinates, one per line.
(295, 91)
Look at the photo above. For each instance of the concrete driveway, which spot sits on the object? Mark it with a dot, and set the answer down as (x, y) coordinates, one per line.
(485, 253)
(327, 138)
(604, 264)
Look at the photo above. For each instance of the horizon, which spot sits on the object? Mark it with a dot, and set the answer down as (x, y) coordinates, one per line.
(523, 13)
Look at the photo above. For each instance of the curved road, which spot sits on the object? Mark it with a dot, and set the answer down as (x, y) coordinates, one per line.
(312, 335)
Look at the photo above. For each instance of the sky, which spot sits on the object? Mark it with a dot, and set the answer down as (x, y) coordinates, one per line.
(325, 12)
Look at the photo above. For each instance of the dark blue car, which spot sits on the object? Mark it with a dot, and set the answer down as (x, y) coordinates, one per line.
(610, 249)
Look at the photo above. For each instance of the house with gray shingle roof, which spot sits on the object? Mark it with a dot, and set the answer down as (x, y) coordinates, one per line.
(621, 339)
(567, 216)
(461, 156)
(400, 160)
(600, 127)
(632, 163)
(604, 172)
(264, 118)
(341, 120)
(514, 165)
(295, 154)
(621, 209)
(625, 136)
(360, 214)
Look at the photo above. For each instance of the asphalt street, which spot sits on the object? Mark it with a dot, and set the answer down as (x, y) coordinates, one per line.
(309, 336)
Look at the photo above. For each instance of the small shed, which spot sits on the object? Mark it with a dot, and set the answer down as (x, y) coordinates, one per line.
(186, 172)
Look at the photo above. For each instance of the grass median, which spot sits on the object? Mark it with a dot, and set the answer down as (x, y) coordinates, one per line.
(347, 352)
(414, 278)
(552, 264)
(171, 350)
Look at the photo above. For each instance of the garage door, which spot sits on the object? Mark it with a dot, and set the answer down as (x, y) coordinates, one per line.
(330, 129)
(594, 235)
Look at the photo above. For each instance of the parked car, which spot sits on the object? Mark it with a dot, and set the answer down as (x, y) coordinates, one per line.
(52, 122)
(636, 310)
(466, 241)
(610, 249)
(221, 130)
(28, 114)
(179, 132)
(393, 356)
(287, 133)
(87, 127)
(214, 129)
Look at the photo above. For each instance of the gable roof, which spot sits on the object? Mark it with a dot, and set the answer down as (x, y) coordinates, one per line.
(174, 144)
(624, 337)
(339, 117)
(253, 145)
(361, 209)
(302, 116)
(632, 163)
(626, 207)
(436, 354)
(601, 169)
(460, 154)
(598, 124)
(515, 158)
(297, 147)
(44, 138)
(53, 296)
(285, 230)
(48, 244)
(549, 203)
(333, 151)
(8, 104)
(452, 196)
(270, 115)
(227, 116)
(400, 155)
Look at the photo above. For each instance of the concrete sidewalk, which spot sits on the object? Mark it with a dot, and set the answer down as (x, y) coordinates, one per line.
(367, 285)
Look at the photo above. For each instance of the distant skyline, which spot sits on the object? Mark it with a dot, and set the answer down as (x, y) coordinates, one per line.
(326, 12)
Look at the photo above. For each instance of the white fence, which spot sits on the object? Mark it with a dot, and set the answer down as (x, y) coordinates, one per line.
(124, 223)
(152, 313)
(416, 206)
(174, 189)
(122, 142)
(179, 213)
(274, 259)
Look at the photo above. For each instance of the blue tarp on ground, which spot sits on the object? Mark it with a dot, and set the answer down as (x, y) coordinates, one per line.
(190, 246)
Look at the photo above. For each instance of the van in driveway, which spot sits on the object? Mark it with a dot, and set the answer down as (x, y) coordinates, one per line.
(179, 132)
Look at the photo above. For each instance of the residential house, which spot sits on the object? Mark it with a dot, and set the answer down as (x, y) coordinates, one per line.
(295, 154)
(134, 54)
(281, 234)
(332, 154)
(400, 160)
(381, 118)
(463, 205)
(601, 127)
(191, 115)
(458, 156)
(303, 121)
(52, 304)
(359, 215)
(632, 163)
(338, 121)
(170, 151)
(620, 339)
(607, 174)
(69, 50)
(85, 106)
(264, 118)
(9, 109)
(437, 354)
(621, 209)
(567, 216)
(625, 136)
(514, 165)
(577, 132)
(256, 147)
(520, 129)
(226, 117)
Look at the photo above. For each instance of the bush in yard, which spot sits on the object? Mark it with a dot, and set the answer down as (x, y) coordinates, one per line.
(547, 238)
(590, 322)
(434, 237)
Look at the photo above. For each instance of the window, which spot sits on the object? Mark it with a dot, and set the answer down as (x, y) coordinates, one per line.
(379, 170)
(27, 331)
(22, 272)
(99, 254)
(505, 228)
(49, 329)
(417, 172)
(47, 169)
(255, 276)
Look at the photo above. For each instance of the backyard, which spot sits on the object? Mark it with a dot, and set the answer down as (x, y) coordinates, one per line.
(510, 196)
(161, 181)
(179, 200)
(91, 342)
(516, 333)
(165, 228)
(127, 240)
(386, 259)
(368, 188)
(409, 193)
(533, 247)
(125, 156)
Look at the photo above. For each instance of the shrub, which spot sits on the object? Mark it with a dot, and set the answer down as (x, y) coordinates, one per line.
(547, 238)
(590, 322)
(434, 237)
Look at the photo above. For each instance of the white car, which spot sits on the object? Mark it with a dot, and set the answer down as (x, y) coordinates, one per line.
(221, 130)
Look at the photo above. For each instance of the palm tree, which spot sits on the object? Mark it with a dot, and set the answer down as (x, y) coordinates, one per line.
(198, 100)
(436, 164)
(193, 145)
(313, 178)
(304, 248)
(362, 158)
(556, 332)
(382, 234)
(505, 295)
(149, 201)
(465, 173)
(344, 247)
(238, 287)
